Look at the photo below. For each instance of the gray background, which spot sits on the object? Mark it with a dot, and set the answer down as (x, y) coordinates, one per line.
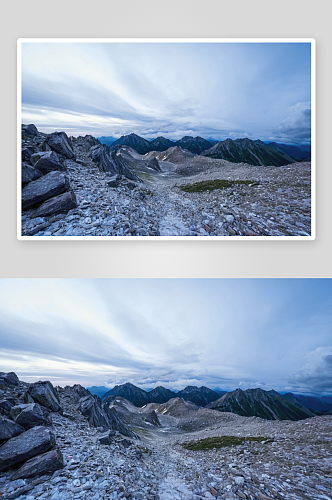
(165, 18)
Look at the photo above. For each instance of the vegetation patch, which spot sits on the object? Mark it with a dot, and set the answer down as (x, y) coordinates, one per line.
(221, 442)
(198, 187)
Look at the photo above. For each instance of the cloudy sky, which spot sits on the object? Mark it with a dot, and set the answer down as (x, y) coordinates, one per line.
(214, 90)
(226, 333)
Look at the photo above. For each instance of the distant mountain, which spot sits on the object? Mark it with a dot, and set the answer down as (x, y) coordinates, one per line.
(174, 154)
(295, 152)
(177, 407)
(130, 392)
(161, 144)
(136, 142)
(194, 144)
(259, 403)
(106, 140)
(98, 390)
(312, 403)
(161, 395)
(201, 396)
(248, 151)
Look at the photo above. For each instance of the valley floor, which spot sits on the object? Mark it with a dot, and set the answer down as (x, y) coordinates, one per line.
(275, 201)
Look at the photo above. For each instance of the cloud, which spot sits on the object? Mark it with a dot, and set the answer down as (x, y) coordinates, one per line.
(296, 127)
(316, 375)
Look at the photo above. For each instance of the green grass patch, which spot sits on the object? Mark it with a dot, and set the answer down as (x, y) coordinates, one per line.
(214, 184)
(221, 442)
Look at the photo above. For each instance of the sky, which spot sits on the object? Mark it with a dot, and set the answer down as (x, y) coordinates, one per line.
(220, 333)
(213, 90)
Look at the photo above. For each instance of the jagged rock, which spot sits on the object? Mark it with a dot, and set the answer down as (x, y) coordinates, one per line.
(116, 424)
(48, 162)
(46, 463)
(153, 163)
(91, 408)
(59, 204)
(26, 154)
(125, 442)
(29, 130)
(44, 394)
(26, 445)
(60, 143)
(35, 157)
(31, 416)
(113, 182)
(27, 398)
(131, 185)
(17, 409)
(42, 189)
(29, 173)
(9, 379)
(6, 405)
(109, 161)
(106, 437)
(9, 429)
(90, 141)
(152, 418)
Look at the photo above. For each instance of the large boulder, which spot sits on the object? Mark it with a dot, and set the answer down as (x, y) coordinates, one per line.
(60, 143)
(8, 429)
(46, 463)
(26, 445)
(106, 437)
(44, 394)
(48, 162)
(6, 405)
(26, 153)
(42, 189)
(29, 173)
(30, 130)
(31, 416)
(57, 205)
(9, 379)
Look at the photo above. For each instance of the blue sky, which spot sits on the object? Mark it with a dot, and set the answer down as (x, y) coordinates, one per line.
(219, 90)
(226, 333)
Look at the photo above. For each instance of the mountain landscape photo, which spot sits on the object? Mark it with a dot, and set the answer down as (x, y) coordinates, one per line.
(220, 145)
(226, 393)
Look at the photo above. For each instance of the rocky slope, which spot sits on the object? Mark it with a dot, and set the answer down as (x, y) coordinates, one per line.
(119, 192)
(259, 403)
(195, 456)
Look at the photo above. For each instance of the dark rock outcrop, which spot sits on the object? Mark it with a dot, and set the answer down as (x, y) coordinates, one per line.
(26, 445)
(59, 204)
(42, 189)
(9, 379)
(29, 130)
(153, 163)
(29, 173)
(6, 405)
(109, 161)
(46, 463)
(9, 429)
(44, 394)
(31, 416)
(60, 143)
(152, 418)
(48, 162)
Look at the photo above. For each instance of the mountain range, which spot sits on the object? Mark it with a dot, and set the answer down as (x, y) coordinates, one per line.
(252, 402)
(239, 150)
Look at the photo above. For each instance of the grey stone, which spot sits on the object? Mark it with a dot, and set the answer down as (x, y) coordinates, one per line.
(56, 205)
(8, 429)
(26, 445)
(9, 379)
(31, 416)
(29, 173)
(60, 143)
(42, 189)
(46, 463)
(106, 437)
(30, 130)
(48, 162)
(44, 394)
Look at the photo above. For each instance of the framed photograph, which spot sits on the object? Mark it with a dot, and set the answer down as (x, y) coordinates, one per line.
(166, 139)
